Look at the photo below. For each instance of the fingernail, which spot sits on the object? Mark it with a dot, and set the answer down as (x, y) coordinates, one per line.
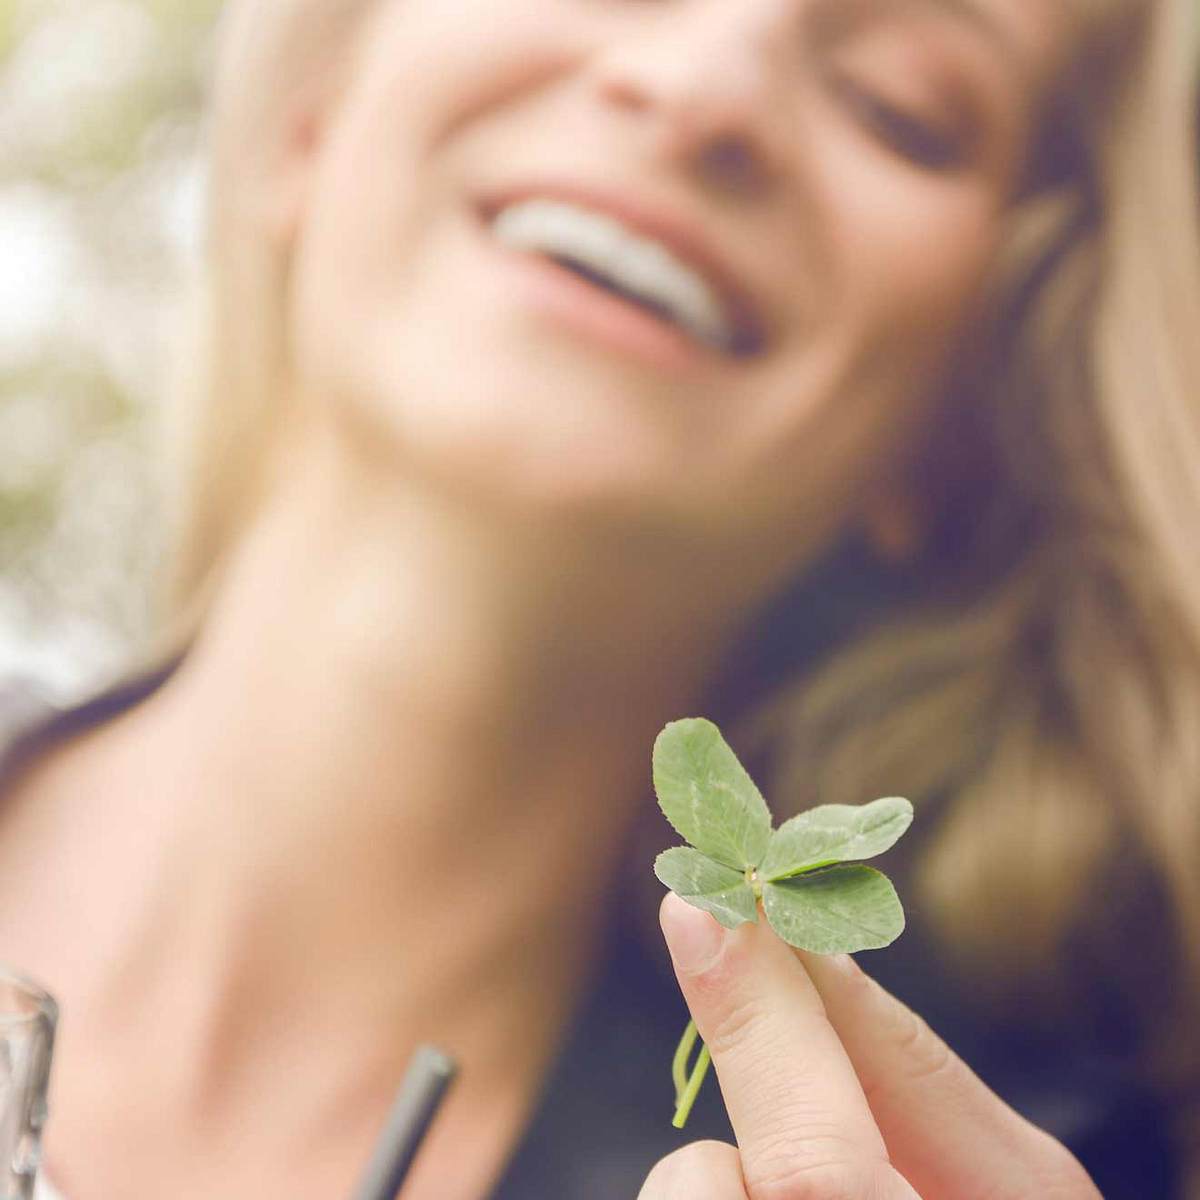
(693, 937)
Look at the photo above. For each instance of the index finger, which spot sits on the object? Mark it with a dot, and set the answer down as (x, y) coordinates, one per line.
(948, 1132)
(803, 1124)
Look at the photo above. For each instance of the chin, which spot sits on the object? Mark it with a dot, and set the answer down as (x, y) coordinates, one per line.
(529, 453)
(520, 427)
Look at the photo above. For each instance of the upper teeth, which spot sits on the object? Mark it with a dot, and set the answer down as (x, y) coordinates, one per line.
(635, 264)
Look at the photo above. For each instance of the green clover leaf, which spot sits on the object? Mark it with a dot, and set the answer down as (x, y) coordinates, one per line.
(811, 898)
(835, 833)
(707, 796)
(707, 884)
(841, 910)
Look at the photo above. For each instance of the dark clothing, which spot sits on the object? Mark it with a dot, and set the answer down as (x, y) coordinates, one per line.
(605, 1115)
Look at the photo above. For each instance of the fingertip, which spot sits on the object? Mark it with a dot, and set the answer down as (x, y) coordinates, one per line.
(694, 938)
(835, 976)
(832, 966)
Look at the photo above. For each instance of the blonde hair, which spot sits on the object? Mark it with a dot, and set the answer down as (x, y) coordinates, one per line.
(1042, 695)
(229, 389)
(1044, 686)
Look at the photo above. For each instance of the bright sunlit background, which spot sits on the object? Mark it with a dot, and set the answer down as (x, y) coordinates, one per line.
(101, 196)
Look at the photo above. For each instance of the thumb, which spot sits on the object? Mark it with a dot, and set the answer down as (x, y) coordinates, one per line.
(802, 1122)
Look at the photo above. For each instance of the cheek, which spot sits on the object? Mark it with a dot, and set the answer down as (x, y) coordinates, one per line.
(434, 66)
(395, 166)
(430, 68)
(913, 263)
(902, 270)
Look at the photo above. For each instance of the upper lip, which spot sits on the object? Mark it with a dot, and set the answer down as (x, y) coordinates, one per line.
(681, 237)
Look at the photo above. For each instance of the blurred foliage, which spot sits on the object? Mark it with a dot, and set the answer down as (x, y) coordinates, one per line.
(100, 206)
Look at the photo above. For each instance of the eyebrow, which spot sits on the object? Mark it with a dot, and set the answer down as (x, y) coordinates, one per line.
(976, 16)
(984, 21)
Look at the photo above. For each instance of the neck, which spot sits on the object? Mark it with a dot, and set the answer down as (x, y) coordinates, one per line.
(409, 734)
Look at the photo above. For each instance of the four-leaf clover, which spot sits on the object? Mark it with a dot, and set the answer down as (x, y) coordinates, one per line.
(807, 873)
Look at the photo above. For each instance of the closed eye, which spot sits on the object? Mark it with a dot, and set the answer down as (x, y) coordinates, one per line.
(929, 144)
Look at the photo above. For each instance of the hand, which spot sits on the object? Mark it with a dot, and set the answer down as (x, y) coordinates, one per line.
(836, 1090)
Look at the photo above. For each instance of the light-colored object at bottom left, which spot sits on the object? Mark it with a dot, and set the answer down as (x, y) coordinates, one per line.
(42, 1190)
(28, 1021)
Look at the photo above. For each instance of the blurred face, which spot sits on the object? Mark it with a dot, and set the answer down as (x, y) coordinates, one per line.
(684, 261)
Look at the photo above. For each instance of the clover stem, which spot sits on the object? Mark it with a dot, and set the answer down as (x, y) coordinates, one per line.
(687, 1089)
(682, 1053)
(684, 1108)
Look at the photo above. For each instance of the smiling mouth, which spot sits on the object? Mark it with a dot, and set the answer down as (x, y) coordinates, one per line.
(738, 345)
(630, 266)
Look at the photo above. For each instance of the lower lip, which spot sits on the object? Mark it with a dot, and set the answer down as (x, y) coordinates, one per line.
(602, 317)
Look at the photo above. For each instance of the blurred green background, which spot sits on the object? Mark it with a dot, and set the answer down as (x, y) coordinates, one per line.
(101, 201)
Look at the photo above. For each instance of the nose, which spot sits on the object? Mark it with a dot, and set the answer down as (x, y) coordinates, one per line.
(704, 78)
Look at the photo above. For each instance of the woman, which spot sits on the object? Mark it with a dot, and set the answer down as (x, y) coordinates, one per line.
(465, 527)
